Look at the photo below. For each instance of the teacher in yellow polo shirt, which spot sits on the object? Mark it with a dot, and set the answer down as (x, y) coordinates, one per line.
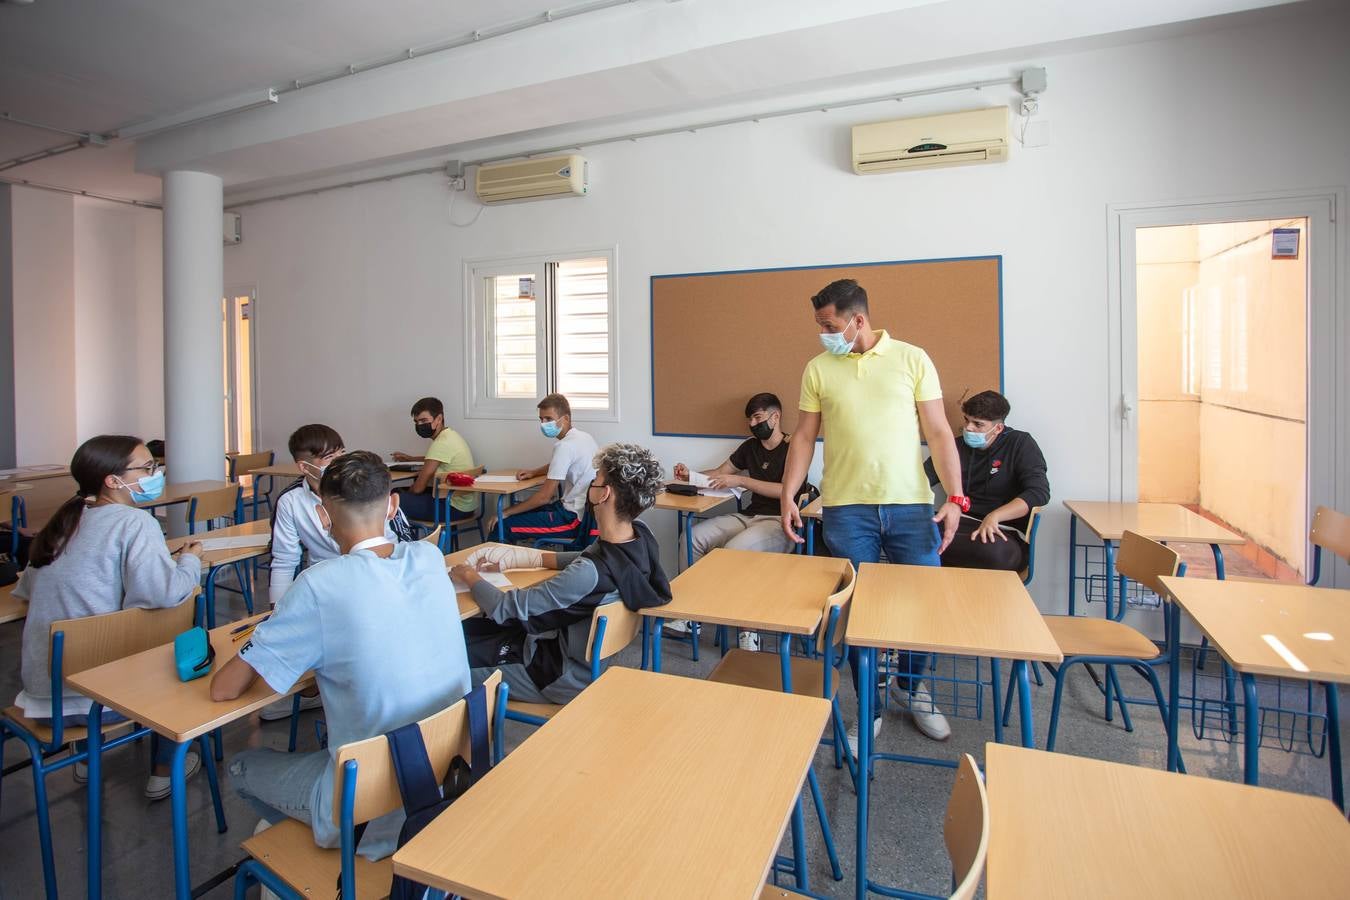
(868, 395)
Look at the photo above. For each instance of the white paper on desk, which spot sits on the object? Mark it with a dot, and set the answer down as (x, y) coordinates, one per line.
(8, 472)
(496, 479)
(704, 485)
(235, 542)
(496, 579)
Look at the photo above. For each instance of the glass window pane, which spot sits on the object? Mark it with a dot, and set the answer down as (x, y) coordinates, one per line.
(514, 350)
(582, 332)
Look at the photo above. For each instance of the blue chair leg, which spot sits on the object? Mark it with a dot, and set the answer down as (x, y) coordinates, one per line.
(824, 825)
(214, 782)
(1036, 672)
(693, 641)
(295, 723)
(1152, 676)
(1120, 698)
(44, 821)
(245, 587)
(1334, 743)
(1060, 678)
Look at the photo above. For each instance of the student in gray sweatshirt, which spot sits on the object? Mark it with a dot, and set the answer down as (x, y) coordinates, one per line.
(100, 554)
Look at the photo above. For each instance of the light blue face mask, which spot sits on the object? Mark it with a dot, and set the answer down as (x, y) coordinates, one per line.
(151, 488)
(976, 440)
(837, 344)
(550, 429)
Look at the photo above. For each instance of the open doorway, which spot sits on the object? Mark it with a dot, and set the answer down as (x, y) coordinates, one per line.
(1223, 372)
(237, 316)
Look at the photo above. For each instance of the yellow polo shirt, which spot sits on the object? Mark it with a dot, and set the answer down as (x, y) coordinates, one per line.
(452, 453)
(870, 422)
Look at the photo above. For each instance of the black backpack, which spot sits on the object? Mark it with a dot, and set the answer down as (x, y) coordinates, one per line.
(423, 798)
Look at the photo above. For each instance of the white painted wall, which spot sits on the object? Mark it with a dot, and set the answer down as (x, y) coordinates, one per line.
(43, 227)
(360, 292)
(119, 321)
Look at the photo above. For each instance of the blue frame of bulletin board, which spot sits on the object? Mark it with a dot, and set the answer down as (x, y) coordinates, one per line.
(997, 258)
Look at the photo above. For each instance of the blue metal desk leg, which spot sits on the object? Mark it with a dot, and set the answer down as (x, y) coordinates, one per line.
(867, 662)
(1251, 731)
(501, 526)
(657, 628)
(994, 689)
(209, 598)
(95, 788)
(1110, 579)
(1073, 561)
(1173, 684)
(646, 641)
(688, 540)
(1024, 703)
(178, 797)
(1334, 743)
(810, 526)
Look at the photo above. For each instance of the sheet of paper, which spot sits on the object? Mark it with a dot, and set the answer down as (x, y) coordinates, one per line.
(495, 479)
(698, 479)
(496, 579)
(721, 492)
(235, 542)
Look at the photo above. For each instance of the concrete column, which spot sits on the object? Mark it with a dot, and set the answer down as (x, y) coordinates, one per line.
(194, 419)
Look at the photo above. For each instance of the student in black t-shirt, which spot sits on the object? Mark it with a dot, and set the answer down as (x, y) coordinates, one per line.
(1003, 471)
(757, 526)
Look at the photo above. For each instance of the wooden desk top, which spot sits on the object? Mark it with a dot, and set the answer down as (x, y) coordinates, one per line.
(146, 689)
(521, 579)
(1272, 628)
(1156, 521)
(181, 492)
(14, 487)
(224, 557)
(770, 591)
(12, 609)
(700, 503)
(938, 609)
(640, 787)
(813, 509)
(292, 470)
(37, 473)
(1170, 835)
(501, 487)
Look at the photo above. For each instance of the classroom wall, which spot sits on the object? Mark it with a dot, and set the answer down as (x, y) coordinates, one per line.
(372, 277)
(6, 330)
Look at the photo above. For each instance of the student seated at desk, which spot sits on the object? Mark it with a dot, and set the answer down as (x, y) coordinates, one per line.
(556, 508)
(99, 554)
(377, 625)
(1003, 471)
(448, 453)
(538, 636)
(762, 457)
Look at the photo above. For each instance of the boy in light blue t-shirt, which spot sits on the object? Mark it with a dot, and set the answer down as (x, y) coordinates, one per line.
(379, 626)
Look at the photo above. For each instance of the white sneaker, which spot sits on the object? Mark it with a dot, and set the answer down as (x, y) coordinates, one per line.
(281, 709)
(852, 736)
(676, 626)
(80, 772)
(157, 787)
(749, 640)
(927, 717)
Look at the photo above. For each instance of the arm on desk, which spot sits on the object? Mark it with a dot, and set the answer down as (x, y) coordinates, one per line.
(151, 576)
(425, 476)
(233, 678)
(562, 591)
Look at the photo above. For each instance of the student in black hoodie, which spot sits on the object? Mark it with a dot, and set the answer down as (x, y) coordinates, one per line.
(537, 636)
(1003, 471)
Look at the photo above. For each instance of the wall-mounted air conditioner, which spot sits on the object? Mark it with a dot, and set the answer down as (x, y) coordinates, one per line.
(531, 179)
(957, 139)
(232, 227)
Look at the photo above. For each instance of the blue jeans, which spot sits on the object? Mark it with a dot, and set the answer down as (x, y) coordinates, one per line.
(163, 755)
(908, 534)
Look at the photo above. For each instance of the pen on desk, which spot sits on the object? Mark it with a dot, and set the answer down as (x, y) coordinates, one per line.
(245, 630)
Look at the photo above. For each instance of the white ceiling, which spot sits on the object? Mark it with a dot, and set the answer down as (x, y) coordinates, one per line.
(95, 65)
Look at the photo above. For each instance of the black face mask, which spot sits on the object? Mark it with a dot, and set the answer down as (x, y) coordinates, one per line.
(762, 430)
(424, 429)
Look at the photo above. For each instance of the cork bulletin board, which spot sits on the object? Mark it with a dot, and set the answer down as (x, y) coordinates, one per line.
(720, 337)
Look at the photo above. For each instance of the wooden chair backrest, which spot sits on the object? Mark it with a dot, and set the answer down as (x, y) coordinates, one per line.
(94, 640)
(435, 536)
(840, 598)
(244, 463)
(622, 626)
(966, 828)
(1145, 561)
(214, 504)
(446, 735)
(1331, 531)
(1029, 537)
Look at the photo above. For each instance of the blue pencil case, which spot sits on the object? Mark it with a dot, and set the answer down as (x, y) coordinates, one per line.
(193, 654)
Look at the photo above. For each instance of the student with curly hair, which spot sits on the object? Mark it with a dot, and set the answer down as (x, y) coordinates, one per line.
(537, 636)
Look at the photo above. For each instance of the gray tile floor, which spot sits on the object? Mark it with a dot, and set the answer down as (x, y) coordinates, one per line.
(907, 810)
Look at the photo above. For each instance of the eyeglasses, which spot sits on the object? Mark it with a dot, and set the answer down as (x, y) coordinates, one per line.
(150, 468)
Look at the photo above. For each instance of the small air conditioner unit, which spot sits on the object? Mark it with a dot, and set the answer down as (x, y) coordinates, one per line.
(531, 179)
(232, 227)
(957, 139)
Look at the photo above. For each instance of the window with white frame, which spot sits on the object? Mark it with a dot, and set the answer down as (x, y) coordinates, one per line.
(541, 325)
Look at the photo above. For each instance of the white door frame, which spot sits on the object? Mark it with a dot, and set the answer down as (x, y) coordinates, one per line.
(246, 290)
(1328, 328)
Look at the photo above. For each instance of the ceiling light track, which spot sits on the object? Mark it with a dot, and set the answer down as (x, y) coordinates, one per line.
(37, 185)
(89, 137)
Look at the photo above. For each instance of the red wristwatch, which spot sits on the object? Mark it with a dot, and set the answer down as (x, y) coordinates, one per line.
(962, 502)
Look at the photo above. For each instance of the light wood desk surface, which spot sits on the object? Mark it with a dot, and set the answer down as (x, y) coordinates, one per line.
(8, 488)
(767, 591)
(1068, 827)
(695, 505)
(41, 497)
(224, 557)
(1155, 521)
(183, 491)
(1251, 622)
(292, 470)
(145, 688)
(521, 578)
(640, 787)
(813, 509)
(37, 473)
(939, 609)
(500, 487)
(12, 608)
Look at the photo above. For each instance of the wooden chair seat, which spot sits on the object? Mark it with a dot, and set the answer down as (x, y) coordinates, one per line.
(69, 733)
(1088, 636)
(12, 609)
(751, 668)
(774, 892)
(542, 710)
(288, 849)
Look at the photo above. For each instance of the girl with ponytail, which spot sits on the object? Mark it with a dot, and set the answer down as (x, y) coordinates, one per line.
(97, 554)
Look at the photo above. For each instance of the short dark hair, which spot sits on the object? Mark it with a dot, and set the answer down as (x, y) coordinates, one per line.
(845, 295)
(428, 405)
(316, 440)
(764, 402)
(556, 402)
(633, 474)
(990, 406)
(358, 478)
